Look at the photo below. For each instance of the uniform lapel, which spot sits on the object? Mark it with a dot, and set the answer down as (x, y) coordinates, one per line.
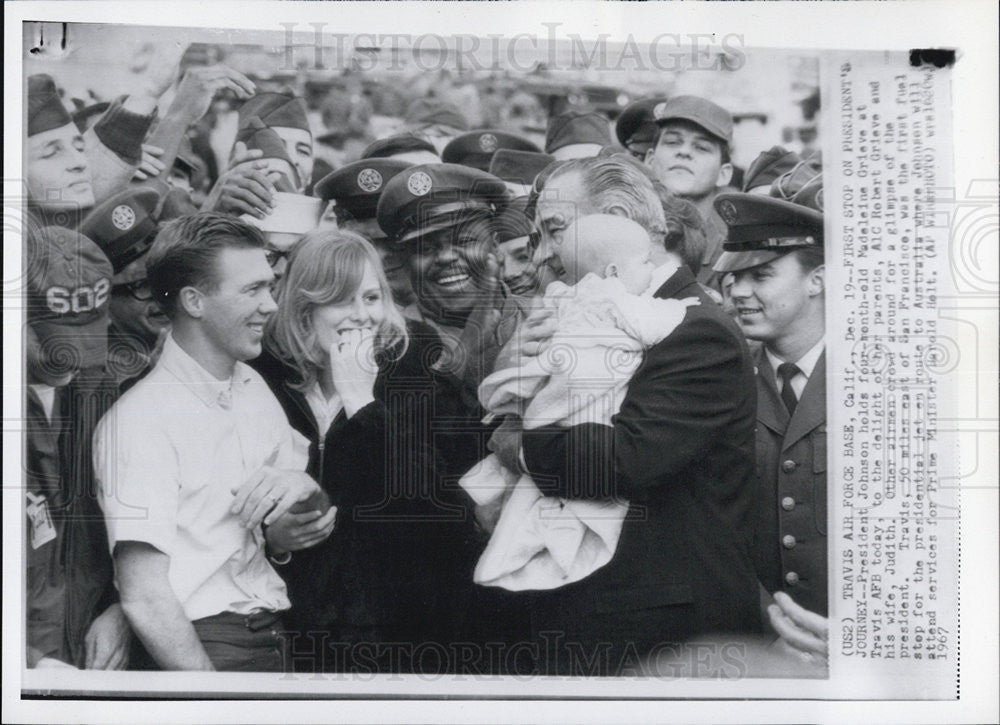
(770, 410)
(811, 410)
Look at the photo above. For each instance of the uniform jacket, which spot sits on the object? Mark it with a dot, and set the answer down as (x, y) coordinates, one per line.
(681, 452)
(461, 435)
(791, 488)
(69, 572)
(403, 547)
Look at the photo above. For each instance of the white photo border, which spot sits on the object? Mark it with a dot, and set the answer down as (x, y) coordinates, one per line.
(970, 27)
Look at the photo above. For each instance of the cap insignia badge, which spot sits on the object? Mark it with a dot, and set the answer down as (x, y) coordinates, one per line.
(727, 210)
(419, 183)
(123, 217)
(370, 180)
(488, 143)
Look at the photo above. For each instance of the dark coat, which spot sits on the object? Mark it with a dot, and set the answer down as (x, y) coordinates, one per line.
(398, 565)
(681, 451)
(791, 489)
(69, 571)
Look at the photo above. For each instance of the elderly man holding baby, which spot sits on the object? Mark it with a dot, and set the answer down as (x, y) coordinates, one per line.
(680, 451)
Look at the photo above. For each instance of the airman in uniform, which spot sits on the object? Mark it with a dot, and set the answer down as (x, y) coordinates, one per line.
(124, 227)
(285, 114)
(443, 218)
(775, 254)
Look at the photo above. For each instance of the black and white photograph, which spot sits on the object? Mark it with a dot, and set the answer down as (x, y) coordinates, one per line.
(353, 358)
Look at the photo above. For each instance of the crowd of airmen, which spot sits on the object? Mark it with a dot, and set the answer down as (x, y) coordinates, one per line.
(252, 388)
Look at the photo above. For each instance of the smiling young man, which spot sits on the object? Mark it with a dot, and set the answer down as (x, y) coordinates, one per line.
(691, 159)
(775, 257)
(197, 455)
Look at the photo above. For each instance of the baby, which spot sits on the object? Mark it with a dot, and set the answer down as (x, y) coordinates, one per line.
(607, 246)
(606, 318)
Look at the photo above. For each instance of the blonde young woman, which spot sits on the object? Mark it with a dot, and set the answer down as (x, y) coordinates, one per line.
(390, 584)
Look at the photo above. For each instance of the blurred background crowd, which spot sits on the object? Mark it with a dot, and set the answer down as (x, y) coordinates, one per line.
(365, 94)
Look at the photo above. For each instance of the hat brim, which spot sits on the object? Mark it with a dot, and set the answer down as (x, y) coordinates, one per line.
(715, 131)
(85, 346)
(447, 221)
(737, 261)
(134, 271)
(754, 218)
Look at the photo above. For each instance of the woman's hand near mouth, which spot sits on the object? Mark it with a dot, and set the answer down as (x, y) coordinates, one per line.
(353, 368)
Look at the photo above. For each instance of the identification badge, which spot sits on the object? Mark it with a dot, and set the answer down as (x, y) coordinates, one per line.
(39, 520)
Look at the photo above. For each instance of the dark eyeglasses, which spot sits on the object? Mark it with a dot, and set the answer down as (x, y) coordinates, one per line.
(138, 290)
(275, 255)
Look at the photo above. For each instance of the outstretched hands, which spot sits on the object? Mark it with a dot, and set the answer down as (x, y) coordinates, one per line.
(802, 632)
(200, 84)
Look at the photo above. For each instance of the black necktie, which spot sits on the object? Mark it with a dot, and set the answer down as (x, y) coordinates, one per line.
(787, 371)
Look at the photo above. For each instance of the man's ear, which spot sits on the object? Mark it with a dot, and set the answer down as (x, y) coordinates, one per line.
(725, 175)
(649, 154)
(191, 301)
(817, 280)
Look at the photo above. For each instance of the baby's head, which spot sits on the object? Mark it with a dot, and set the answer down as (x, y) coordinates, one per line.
(609, 246)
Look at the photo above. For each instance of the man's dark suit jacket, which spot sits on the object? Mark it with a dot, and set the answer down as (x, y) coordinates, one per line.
(791, 494)
(681, 451)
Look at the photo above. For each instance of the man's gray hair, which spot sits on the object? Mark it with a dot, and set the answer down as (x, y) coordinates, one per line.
(614, 184)
(620, 184)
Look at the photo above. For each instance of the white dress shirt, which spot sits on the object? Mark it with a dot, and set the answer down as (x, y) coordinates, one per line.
(806, 364)
(167, 456)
